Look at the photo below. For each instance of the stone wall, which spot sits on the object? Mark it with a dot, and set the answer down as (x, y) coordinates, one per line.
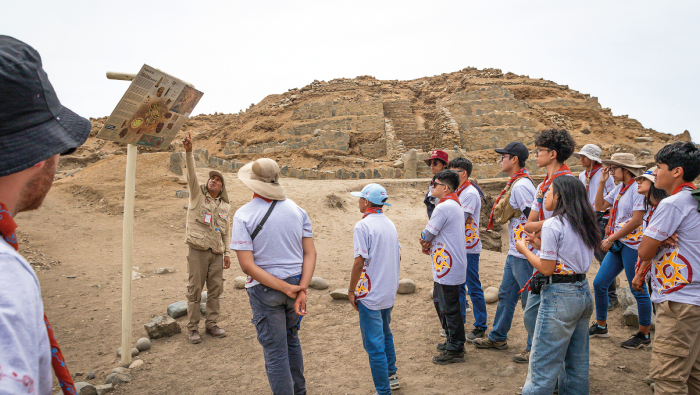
(404, 123)
(322, 139)
(338, 115)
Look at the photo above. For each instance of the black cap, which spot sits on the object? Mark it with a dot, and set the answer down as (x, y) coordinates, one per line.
(34, 126)
(516, 149)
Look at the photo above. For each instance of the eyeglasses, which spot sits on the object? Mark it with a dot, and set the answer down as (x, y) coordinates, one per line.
(538, 149)
(434, 162)
(613, 168)
(503, 157)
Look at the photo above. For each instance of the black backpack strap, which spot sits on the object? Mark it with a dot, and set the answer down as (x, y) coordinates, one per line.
(260, 225)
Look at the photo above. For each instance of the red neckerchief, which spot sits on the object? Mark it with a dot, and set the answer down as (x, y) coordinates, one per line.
(59, 363)
(450, 196)
(255, 195)
(596, 166)
(8, 226)
(650, 212)
(372, 210)
(683, 186)
(544, 187)
(521, 173)
(613, 212)
(462, 187)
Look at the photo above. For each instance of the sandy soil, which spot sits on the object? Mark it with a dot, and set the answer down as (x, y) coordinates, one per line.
(78, 233)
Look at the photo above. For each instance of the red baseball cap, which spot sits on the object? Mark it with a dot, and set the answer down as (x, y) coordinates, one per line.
(437, 154)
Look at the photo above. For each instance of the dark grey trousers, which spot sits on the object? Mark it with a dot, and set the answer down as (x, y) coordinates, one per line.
(276, 323)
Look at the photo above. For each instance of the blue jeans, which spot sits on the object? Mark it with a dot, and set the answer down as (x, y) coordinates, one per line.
(379, 344)
(561, 337)
(476, 294)
(516, 272)
(612, 265)
(532, 310)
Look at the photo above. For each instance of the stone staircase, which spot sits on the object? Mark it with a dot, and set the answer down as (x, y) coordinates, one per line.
(404, 123)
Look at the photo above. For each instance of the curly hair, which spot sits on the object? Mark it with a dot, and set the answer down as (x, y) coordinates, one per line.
(558, 140)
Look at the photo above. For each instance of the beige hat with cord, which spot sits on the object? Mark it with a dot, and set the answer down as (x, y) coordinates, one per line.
(649, 175)
(627, 161)
(262, 177)
(590, 151)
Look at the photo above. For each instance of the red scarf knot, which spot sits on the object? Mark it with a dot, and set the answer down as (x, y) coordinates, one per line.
(544, 187)
(372, 210)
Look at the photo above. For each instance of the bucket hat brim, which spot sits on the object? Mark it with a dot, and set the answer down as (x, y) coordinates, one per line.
(273, 191)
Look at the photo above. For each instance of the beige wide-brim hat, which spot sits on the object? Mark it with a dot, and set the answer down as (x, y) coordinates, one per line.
(590, 151)
(649, 175)
(262, 177)
(627, 161)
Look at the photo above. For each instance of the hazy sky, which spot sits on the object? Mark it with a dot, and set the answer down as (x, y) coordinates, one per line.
(638, 57)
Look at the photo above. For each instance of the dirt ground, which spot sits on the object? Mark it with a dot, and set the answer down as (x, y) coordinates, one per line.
(78, 232)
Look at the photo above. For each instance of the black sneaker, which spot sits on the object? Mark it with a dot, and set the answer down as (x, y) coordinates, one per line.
(448, 357)
(597, 331)
(441, 346)
(613, 304)
(637, 341)
(477, 333)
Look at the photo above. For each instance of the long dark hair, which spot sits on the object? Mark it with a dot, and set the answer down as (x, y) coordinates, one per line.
(573, 202)
(654, 195)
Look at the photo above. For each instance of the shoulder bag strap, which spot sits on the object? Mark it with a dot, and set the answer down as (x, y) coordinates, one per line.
(260, 225)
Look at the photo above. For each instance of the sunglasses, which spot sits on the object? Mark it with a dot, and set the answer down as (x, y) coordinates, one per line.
(434, 162)
(438, 183)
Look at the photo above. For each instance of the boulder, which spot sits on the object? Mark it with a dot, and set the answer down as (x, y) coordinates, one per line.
(318, 283)
(239, 282)
(103, 389)
(491, 295)
(407, 286)
(117, 378)
(161, 326)
(626, 298)
(143, 344)
(491, 241)
(177, 309)
(83, 388)
(630, 317)
(340, 294)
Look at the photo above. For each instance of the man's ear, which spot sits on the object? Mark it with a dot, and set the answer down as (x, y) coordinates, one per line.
(40, 164)
(678, 172)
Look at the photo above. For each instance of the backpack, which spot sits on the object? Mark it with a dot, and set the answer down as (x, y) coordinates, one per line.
(503, 211)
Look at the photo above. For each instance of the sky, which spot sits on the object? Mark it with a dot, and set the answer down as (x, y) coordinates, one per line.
(638, 57)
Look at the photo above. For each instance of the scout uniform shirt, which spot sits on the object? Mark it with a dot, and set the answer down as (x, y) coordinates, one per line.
(470, 200)
(521, 196)
(675, 271)
(629, 202)
(562, 244)
(376, 240)
(447, 248)
(207, 218)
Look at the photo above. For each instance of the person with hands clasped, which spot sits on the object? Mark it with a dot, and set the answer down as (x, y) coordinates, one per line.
(622, 237)
(272, 237)
(373, 284)
(566, 251)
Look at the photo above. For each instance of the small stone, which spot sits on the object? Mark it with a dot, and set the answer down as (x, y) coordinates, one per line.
(70, 276)
(91, 375)
(491, 295)
(318, 283)
(120, 370)
(407, 286)
(143, 344)
(77, 374)
(134, 352)
(136, 364)
(164, 270)
(117, 378)
(239, 282)
(644, 139)
(508, 371)
(182, 194)
(177, 309)
(586, 130)
(161, 326)
(103, 389)
(83, 388)
(340, 294)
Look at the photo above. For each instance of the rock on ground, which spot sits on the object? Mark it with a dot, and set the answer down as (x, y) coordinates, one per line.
(134, 352)
(407, 286)
(177, 309)
(83, 388)
(318, 283)
(143, 344)
(340, 294)
(137, 363)
(491, 295)
(103, 389)
(91, 375)
(161, 326)
(239, 282)
(118, 378)
(626, 298)
(164, 270)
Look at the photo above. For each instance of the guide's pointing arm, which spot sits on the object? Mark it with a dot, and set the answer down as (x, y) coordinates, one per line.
(192, 182)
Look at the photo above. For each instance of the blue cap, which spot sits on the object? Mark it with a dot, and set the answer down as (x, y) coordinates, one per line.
(375, 193)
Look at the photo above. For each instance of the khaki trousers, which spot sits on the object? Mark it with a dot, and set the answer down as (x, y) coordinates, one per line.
(675, 358)
(203, 266)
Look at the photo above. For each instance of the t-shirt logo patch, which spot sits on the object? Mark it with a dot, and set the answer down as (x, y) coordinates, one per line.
(518, 232)
(672, 271)
(442, 262)
(471, 235)
(562, 269)
(363, 286)
(635, 237)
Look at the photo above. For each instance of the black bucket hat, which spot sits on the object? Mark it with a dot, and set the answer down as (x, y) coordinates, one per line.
(34, 126)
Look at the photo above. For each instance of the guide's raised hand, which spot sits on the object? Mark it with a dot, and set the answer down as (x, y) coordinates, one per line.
(187, 142)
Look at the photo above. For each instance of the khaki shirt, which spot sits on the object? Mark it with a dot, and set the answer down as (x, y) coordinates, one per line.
(201, 235)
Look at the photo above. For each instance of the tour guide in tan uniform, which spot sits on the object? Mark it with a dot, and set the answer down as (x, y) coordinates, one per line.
(208, 236)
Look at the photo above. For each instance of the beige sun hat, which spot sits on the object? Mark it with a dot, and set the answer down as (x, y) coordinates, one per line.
(590, 151)
(649, 175)
(262, 177)
(627, 161)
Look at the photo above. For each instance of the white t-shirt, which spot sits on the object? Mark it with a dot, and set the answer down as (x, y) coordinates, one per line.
(25, 353)
(675, 271)
(629, 202)
(521, 196)
(562, 244)
(536, 205)
(376, 240)
(593, 186)
(447, 248)
(277, 248)
(470, 200)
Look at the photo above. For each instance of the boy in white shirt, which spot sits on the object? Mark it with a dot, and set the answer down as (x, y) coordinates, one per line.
(373, 284)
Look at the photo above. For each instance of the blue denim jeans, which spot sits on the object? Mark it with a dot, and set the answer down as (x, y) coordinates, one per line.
(612, 265)
(561, 337)
(379, 344)
(476, 294)
(532, 310)
(516, 272)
